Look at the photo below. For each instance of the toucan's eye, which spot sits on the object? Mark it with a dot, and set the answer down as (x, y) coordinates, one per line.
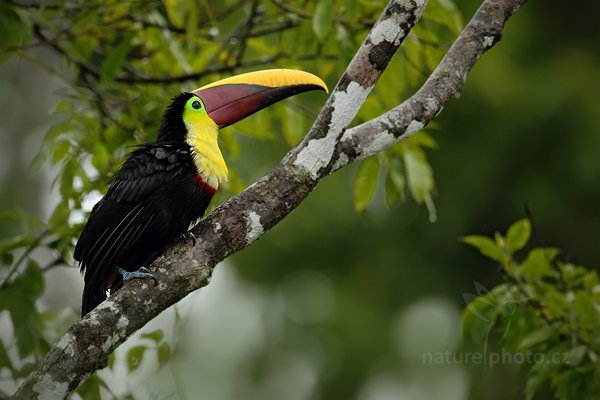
(196, 105)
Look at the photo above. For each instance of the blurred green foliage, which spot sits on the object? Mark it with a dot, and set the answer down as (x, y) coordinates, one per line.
(547, 310)
(331, 283)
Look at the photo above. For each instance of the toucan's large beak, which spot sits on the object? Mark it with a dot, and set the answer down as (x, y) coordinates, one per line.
(232, 99)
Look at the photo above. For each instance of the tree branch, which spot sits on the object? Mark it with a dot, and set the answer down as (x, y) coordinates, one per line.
(244, 218)
(483, 31)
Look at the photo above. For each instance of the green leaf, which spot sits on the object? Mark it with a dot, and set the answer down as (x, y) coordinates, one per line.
(63, 106)
(25, 370)
(38, 161)
(586, 316)
(576, 383)
(135, 356)
(90, 389)
(114, 137)
(430, 205)
(14, 242)
(322, 20)
(191, 19)
(518, 234)
(574, 356)
(366, 183)
(485, 245)
(33, 280)
(57, 130)
(554, 302)
(572, 275)
(590, 281)
(423, 139)
(13, 31)
(114, 59)
(5, 359)
(395, 183)
(536, 337)
(60, 151)
(445, 13)
(479, 317)
(19, 299)
(163, 353)
(346, 46)
(539, 374)
(6, 258)
(59, 218)
(538, 264)
(156, 336)
(419, 175)
(100, 157)
(66, 179)
(293, 126)
(351, 8)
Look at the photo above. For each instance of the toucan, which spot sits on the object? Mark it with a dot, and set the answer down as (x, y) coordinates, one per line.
(164, 187)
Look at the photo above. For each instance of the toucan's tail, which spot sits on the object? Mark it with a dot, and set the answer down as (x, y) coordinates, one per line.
(92, 296)
(94, 290)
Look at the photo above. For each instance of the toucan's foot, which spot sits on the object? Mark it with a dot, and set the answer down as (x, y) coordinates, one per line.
(141, 273)
(188, 235)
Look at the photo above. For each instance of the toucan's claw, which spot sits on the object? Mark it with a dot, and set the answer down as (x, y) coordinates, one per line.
(188, 235)
(141, 273)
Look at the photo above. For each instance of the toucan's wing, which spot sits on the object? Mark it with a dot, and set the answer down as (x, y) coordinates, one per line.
(122, 217)
(146, 169)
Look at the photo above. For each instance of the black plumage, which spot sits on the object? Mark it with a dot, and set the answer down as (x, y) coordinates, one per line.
(152, 201)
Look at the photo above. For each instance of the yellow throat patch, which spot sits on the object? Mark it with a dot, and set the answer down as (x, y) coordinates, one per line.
(202, 138)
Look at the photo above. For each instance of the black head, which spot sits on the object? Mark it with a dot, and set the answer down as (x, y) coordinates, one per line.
(172, 127)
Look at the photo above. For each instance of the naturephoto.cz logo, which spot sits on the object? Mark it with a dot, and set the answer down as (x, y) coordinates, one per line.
(486, 357)
(489, 359)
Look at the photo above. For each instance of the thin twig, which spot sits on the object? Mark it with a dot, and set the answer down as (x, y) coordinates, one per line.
(24, 256)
